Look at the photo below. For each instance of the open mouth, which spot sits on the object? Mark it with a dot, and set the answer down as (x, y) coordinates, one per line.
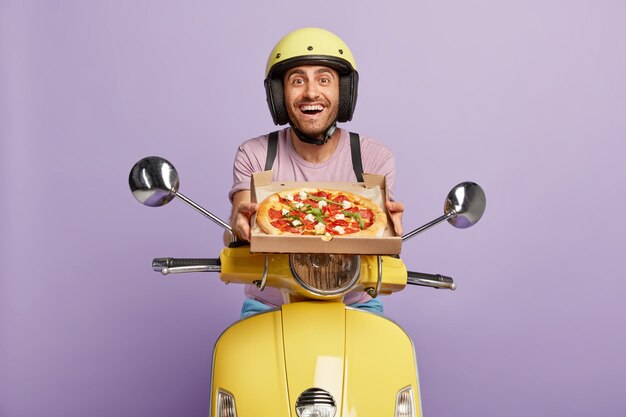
(311, 109)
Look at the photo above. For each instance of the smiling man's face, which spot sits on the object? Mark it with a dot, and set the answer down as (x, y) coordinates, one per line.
(312, 98)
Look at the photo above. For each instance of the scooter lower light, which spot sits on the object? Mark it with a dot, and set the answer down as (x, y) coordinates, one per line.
(226, 404)
(315, 402)
(320, 410)
(405, 404)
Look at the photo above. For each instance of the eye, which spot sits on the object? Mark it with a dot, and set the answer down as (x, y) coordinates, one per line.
(326, 79)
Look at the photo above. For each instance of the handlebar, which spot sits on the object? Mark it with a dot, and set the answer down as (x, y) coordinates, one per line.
(178, 265)
(430, 280)
(182, 265)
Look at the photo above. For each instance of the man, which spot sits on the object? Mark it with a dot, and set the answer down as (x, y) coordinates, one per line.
(311, 84)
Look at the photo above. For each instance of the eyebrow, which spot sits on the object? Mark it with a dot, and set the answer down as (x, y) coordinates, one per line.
(297, 71)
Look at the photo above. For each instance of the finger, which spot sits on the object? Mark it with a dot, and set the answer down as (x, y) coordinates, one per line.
(247, 208)
(398, 228)
(396, 219)
(243, 230)
(395, 206)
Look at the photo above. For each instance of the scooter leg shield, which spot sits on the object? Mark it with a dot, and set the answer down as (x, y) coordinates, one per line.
(248, 363)
(380, 363)
(267, 361)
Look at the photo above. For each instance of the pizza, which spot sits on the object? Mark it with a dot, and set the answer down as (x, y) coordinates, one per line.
(316, 212)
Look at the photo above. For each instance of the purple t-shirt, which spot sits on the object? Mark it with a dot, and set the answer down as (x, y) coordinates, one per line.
(289, 166)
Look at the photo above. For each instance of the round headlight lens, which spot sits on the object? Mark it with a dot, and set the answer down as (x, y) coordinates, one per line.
(325, 274)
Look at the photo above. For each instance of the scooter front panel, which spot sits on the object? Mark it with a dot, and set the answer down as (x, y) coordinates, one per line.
(314, 343)
(380, 361)
(358, 358)
(248, 362)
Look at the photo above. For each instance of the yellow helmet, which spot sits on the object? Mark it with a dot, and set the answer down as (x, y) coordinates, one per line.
(311, 46)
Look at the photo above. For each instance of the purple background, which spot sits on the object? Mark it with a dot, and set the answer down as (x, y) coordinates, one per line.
(527, 98)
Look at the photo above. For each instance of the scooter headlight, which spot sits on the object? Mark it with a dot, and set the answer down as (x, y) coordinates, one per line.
(325, 274)
(405, 403)
(226, 404)
(315, 402)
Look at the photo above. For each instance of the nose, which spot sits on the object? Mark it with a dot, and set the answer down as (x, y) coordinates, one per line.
(311, 90)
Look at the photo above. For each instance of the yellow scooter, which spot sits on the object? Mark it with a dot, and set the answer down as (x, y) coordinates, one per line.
(314, 356)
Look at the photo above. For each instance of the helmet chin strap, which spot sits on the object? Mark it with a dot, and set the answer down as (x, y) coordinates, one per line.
(315, 141)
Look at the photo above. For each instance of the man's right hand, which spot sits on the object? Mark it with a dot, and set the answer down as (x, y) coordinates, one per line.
(242, 219)
(243, 209)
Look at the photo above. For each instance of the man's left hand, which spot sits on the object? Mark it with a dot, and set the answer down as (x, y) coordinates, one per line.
(395, 209)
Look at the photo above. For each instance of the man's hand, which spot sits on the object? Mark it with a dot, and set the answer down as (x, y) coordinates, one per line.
(395, 209)
(243, 210)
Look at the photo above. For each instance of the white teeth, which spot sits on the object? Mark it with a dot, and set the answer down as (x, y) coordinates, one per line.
(316, 107)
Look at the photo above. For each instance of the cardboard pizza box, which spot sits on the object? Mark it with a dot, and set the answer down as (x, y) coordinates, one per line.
(373, 188)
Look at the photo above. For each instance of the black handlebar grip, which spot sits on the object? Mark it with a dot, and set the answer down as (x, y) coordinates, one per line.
(430, 277)
(194, 261)
(160, 263)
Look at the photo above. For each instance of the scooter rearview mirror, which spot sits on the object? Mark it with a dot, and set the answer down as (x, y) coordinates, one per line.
(463, 208)
(154, 182)
(467, 201)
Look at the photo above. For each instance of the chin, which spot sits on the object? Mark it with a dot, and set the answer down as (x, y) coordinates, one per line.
(315, 135)
(312, 130)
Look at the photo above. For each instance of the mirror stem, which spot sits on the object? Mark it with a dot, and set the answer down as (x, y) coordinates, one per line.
(208, 214)
(427, 226)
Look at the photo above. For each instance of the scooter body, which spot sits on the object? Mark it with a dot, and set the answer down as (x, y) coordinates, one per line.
(351, 360)
(314, 356)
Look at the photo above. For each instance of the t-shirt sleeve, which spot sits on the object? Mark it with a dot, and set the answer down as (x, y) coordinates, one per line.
(250, 158)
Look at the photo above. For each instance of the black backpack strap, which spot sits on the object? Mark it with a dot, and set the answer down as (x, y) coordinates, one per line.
(355, 149)
(357, 163)
(272, 146)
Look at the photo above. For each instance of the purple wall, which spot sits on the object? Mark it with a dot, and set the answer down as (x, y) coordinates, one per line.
(527, 98)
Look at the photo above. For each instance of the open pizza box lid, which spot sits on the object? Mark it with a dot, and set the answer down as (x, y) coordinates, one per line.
(373, 188)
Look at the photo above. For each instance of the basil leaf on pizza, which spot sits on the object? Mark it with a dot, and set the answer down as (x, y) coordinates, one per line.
(316, 212)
